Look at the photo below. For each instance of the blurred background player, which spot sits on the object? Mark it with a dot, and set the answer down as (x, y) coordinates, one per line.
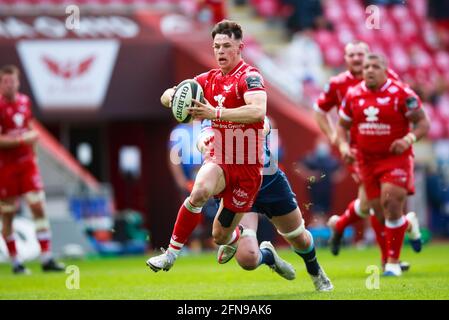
(380, 110)
(331, 98)
(237, 91)
(19, 172)
(277, 201)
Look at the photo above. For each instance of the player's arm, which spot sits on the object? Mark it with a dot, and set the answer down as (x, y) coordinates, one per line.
(327, 127)
(421, 126)
(10, 142)
(28, 138)
(167, 96)
(326, 101)
(254, 109)
(343, 127)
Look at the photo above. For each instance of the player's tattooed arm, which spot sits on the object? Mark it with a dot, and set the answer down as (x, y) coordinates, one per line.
(421, 126)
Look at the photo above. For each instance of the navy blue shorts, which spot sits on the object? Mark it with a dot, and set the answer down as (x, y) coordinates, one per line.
(275, 197)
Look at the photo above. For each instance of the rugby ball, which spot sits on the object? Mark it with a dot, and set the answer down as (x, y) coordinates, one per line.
(182, 99)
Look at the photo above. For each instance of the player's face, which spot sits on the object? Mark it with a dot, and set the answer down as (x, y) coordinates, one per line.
(9, 85)
(354, 55)
(227, 52)
(374, 73)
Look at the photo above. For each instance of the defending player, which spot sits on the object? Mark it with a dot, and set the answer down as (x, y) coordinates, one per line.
(380, 110)
(233, 172)
(19, 173)
(331, 98)
(277, 201)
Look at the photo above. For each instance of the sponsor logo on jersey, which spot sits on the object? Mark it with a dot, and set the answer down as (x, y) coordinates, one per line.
(240, 193)
(383, 100)
(398, 172)
(228, 88)
(237, 203)
(371, 114)
(393, 89)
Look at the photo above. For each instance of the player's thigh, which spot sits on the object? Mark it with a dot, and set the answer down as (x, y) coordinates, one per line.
(364, 203)
(393, 199)
(211, 178)
(9, 206)
(225, 223)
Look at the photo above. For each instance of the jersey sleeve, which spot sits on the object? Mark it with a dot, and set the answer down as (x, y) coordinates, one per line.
(327, 99)
(409, 101)
(201, 78)
(252, 81)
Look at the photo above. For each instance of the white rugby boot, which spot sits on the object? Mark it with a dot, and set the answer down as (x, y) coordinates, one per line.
(164, 261)
(392, 270)
(414, 233)
(280, 266)
(322, 282)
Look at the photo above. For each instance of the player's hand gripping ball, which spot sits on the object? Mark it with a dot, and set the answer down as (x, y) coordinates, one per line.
(182, 99)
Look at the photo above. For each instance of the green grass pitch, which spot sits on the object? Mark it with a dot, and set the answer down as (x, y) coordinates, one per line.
(200, 277)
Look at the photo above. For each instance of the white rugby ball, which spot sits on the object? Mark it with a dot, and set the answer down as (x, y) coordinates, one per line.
(182, 99)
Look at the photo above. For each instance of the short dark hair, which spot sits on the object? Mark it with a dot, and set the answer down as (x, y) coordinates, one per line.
(9, 69)
(229, 28)
(377, 56)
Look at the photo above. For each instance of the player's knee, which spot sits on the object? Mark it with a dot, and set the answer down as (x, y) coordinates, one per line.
(200, 194)
(8, 209)
(392, 206)
(364, 207)
(249, 260)
(220, 237)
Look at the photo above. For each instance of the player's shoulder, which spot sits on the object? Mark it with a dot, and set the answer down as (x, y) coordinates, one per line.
(23, 98)
(392, 74)
(356, 90)
(397, 87)
(340, 79)
(208, 74)
(250, 76)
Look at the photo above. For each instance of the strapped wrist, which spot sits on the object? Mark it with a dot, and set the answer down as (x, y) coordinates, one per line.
(410, 138)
